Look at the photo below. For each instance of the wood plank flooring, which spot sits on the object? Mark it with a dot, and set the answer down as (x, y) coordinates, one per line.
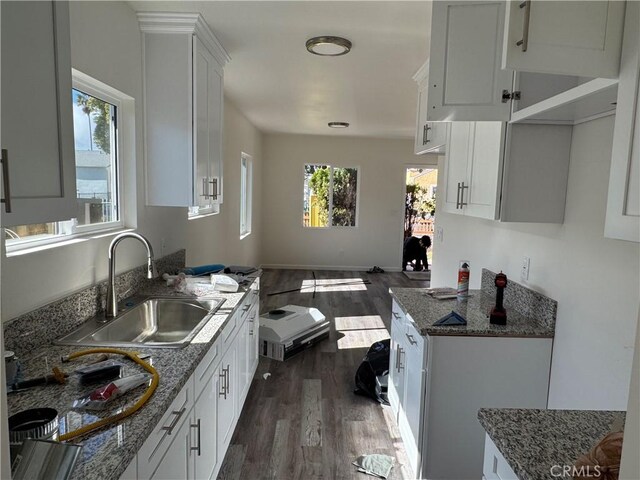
(304, 421)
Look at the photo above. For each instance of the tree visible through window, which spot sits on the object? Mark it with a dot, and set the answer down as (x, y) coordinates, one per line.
(330, 196)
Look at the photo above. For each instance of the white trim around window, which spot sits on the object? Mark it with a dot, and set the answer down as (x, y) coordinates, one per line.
(246, 194)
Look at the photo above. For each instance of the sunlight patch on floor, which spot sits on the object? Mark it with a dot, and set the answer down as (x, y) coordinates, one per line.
(359, 331)
(333, 285)
(364, 322)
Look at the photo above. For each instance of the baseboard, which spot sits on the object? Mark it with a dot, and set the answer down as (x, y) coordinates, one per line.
(350, 268)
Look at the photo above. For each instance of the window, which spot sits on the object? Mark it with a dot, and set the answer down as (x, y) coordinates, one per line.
(330, 196)
(246, 186)
(95, 120)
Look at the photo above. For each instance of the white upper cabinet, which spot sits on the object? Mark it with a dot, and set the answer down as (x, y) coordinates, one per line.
(183, 66)
(623, 205)
(507, 172)
(564, 37)
(467, 81)
(37, 119)
(431, 137)
(465, 78)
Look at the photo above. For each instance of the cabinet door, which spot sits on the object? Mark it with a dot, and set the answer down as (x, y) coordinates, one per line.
(456, 165)
(253, 341)
(564, 37)
(482, 198)
(396, 361)
(242, 342)
(204, 448)
(207, 112)
(37, 119)
(623, 216)
(421, 120)
(465, 75)
(177, 462)
(410, 420)
(227, 388)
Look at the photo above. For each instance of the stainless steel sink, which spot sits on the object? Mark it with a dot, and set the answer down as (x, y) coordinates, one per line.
(160, 322)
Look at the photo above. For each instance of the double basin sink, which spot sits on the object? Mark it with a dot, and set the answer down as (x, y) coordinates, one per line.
(160, 322)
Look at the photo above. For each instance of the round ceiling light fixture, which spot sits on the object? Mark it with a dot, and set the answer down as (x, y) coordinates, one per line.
(338, 124)
(328, 46)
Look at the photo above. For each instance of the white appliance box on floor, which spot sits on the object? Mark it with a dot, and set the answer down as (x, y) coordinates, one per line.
(285, 334)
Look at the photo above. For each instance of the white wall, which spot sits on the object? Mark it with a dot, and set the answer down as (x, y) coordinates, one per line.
(630, 464)
(595, 280)
(105, 44)
(377, 240)
(216, 238)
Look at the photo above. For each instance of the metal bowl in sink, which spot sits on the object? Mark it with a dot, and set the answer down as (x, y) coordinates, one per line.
(152, 322)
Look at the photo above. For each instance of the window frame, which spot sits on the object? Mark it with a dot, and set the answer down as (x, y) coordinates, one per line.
(69, 229)
(246, 194)
(330, 213)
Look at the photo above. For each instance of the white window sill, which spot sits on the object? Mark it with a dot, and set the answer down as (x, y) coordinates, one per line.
(14, 251)
(202, 215)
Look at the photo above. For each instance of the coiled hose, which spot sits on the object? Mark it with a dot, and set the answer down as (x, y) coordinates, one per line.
(125, 413)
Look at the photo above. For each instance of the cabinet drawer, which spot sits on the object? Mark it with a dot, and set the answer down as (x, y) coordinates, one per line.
(495, 465)
(152, 451)
(205, 369)
(230, 330)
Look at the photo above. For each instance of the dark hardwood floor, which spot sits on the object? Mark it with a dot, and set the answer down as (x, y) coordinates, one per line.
(304, 421)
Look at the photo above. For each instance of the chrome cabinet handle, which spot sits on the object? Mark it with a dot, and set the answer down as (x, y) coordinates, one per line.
(398, 358)
(246, 307)
(197, 426)
(524, 43)
(395, 315)
(411, 339)
(214, 182)
(228, 379)
(205, 188)
(223, 376)
(178, 414)
(400, 353)
(462, 188)
(425, 138)
(458, 197)
(5, 181)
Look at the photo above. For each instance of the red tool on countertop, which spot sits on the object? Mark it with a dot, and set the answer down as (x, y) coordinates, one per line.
(498, 314)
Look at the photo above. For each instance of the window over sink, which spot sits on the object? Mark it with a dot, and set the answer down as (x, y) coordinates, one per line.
(96, 111)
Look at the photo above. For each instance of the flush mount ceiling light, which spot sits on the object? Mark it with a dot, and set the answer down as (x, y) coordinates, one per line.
(338, 124)
(328, 46)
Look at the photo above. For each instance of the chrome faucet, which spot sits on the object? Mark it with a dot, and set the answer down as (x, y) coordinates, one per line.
(112, 297)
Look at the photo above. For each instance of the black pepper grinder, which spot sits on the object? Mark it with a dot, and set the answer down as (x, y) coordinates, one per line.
(498, 313)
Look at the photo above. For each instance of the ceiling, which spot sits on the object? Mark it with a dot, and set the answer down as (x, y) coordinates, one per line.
(281, 87)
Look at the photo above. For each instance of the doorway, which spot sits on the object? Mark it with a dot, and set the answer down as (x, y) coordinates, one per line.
(421, 185)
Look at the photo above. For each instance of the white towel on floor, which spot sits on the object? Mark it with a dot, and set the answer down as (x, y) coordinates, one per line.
(375, 465)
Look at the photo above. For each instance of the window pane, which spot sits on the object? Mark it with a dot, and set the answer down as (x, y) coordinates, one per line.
(317, 179)
(345, 188)
(96, 167)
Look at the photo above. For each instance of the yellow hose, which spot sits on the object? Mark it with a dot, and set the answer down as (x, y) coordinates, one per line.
(125, 413)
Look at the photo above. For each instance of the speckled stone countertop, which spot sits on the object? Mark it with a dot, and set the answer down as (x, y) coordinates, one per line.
(533, 441)
(108, 452)
(424, 310)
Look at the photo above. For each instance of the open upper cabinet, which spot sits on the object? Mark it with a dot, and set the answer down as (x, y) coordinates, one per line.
(475, 74)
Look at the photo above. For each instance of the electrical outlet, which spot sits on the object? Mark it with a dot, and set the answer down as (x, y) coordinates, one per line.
(524, 271)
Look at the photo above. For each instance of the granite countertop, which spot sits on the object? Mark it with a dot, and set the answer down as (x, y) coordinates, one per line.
(533, 441)
(424, 310)
(108, 451)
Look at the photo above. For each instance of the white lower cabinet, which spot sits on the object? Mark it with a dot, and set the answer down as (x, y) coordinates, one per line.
(191, 439)
(495, 465)
(227, 381)
(438, 383)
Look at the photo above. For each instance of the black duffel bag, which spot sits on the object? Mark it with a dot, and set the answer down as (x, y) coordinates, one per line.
(375, 364)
